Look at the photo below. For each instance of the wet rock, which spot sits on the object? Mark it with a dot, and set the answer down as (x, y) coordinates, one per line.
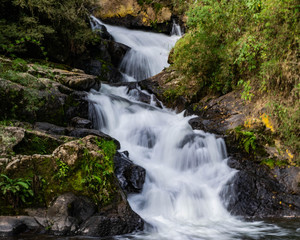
(15, 225)
(117, 52)
(68, 211)
(158, 85)
(78, 122)
(101, 30)
(135, 91)
(76, 106)
(102, 60)
(131, 176)
(259, 192)
(50, 128)
(120, 221)
(197, 123)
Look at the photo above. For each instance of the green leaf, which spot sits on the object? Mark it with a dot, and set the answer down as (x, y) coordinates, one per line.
(23, 184)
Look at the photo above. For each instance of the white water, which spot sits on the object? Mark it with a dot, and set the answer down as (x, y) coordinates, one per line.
(186, 169)
(149, 51)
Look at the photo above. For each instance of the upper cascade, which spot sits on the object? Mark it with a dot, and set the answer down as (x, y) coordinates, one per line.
(149, 51)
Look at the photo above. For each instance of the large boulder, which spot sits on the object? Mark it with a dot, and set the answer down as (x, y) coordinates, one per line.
(78, 183)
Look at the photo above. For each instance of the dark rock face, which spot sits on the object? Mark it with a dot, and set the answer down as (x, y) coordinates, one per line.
(259, 192)
(50, 128)
(131, 177)
(122, 221)
(68, 211)
(117, 51)
(111, 54)
(102, 31)
(78, 122)
(135, 90)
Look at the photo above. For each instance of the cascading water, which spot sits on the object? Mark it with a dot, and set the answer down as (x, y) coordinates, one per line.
(148, 54)
(186, 169)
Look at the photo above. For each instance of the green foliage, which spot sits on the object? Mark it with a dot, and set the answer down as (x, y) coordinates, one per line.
(142, 2)
(246, 95)
(33, 144)
(62, 169)
(288, 124)
(38, 29)
(108, 147)
(253, 44)
(253, 40)
(16, 191)
(272, 163)
(97, 174)
(247, 139)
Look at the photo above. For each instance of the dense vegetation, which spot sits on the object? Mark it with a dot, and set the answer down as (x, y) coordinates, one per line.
(251, 45)
(55, 29)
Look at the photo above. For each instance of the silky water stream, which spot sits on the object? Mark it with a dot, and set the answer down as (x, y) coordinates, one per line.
(186, 169)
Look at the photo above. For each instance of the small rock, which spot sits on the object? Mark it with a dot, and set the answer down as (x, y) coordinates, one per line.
(78, 122)
(131, 177)
(50, 128)
(15, 225)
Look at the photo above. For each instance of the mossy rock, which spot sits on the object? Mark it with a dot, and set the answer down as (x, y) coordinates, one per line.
(83, 167)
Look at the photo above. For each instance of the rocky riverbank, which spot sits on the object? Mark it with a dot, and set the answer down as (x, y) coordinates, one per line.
(58, 175)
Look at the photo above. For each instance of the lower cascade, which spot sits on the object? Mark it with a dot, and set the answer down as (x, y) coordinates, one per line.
(187, 182)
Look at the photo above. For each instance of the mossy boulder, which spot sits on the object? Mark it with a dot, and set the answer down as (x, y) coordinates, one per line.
(69, 169)
(83, 168)
(33, 92)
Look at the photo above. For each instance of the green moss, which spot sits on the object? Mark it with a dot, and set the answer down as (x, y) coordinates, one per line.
(91, 176)
(272, 163)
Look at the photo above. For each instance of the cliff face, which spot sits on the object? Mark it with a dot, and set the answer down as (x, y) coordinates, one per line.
(135, 14)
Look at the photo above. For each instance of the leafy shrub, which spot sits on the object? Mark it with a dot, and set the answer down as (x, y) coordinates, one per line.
(248, 44)
(247, 139)
(253, 40)
(15, 191)
(57, 29)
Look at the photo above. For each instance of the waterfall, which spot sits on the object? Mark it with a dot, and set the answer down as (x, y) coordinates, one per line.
(148, 54)
(186, 169)
(176, 30)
